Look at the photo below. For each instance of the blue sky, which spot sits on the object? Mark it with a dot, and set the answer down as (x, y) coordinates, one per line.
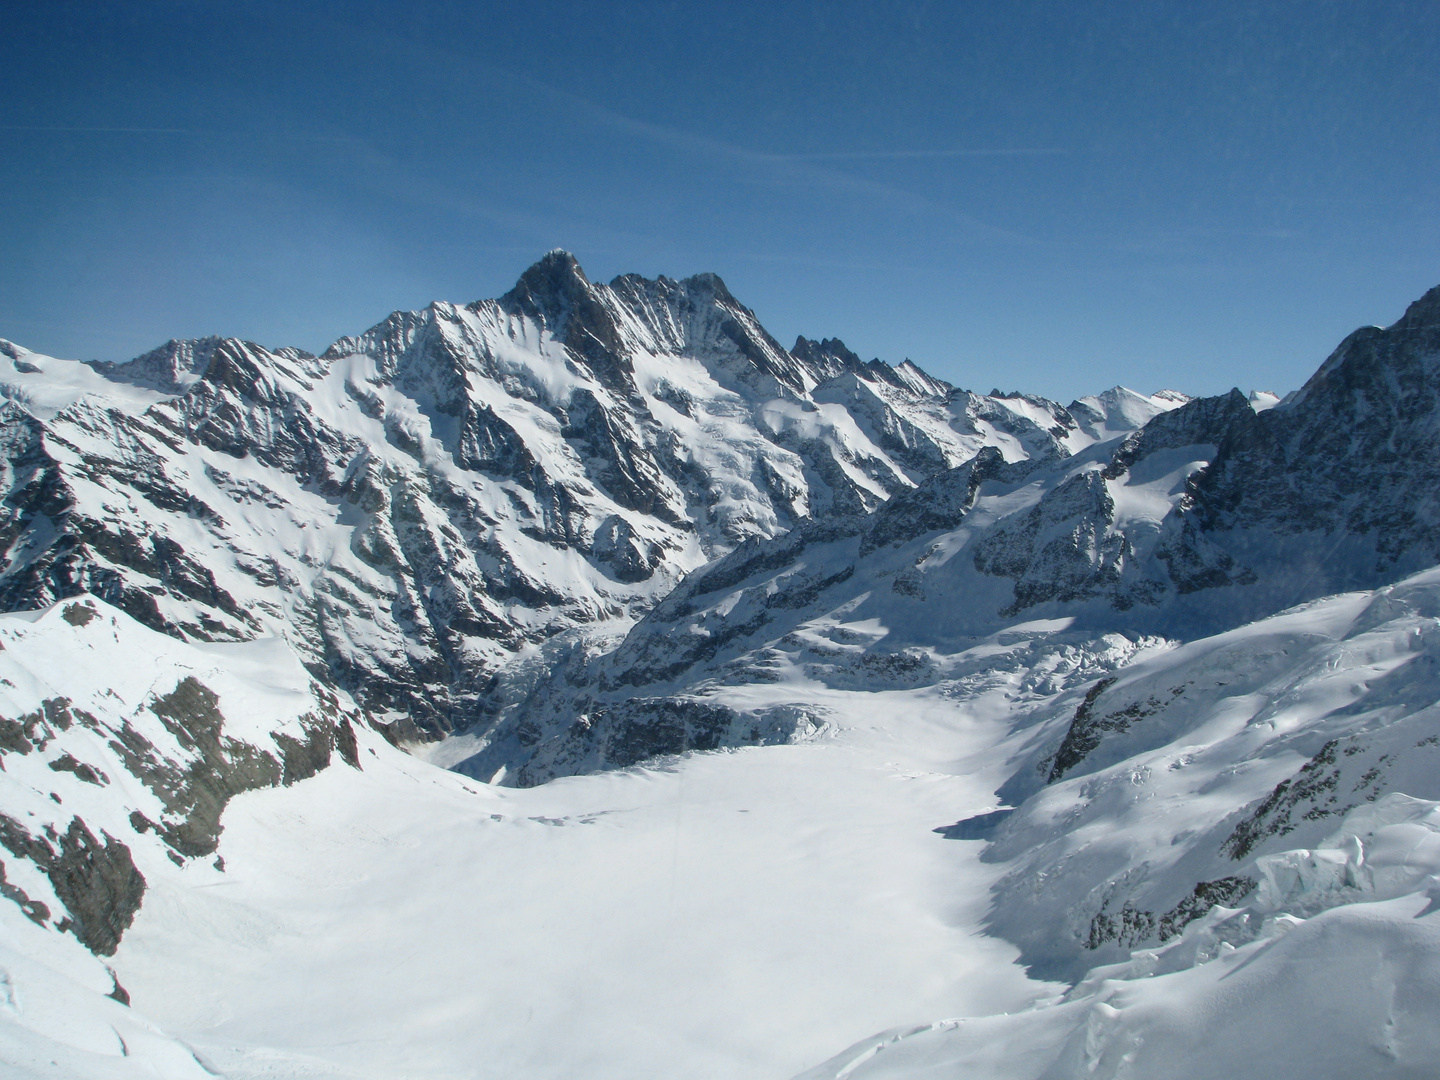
(1052, 197)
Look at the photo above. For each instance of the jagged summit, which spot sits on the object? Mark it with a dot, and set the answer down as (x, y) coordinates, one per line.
(825, 351)
(551, 284)
(556, 293)
(172, 368)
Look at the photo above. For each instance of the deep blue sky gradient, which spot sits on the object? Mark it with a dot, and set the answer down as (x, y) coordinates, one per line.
(1053, 197)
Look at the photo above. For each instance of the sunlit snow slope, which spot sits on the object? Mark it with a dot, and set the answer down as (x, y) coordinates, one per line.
(732, 915)
(1249, 828)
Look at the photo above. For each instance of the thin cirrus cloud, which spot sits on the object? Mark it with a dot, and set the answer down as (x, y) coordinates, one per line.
(292, 136)
(896, 155)
(97, 130)
(803, 169)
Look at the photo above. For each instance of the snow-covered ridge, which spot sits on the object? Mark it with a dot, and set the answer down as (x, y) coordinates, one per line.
(431, 501)
(120, 750)
(1240, 840)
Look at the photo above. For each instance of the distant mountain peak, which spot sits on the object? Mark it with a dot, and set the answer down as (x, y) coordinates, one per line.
(711, 283)
(171, 368)
(825, 358)
(557, 294)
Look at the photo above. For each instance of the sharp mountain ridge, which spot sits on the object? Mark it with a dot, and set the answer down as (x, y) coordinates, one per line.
(429, 503)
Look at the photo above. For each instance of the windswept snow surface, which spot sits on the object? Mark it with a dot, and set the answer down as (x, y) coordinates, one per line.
(699, 922)
(724, 915)
(1245, 833)
(1353, 992)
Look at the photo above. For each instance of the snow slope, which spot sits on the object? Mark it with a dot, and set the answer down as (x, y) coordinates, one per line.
(1244, 833)
(1352, 992)
(1193, 763)
(119, 751)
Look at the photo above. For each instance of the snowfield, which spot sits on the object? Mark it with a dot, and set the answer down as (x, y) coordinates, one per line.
(1353, 992)
(732, 914)
(745, 913)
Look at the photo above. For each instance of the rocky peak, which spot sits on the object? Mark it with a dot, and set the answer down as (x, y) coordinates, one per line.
(556, 293)
(171, 369)
(711, 286)
(1423, 314)
(698, 316)
(217, 363)
(826, 358)
(1377, 369)
(551, 283)
(922, 382)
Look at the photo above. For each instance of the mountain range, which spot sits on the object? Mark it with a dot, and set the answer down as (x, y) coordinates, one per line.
(377, 690)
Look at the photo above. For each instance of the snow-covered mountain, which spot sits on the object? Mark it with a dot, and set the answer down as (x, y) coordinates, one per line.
(430, 500)
(1108, 727)
(120, 751)
(1211, 515)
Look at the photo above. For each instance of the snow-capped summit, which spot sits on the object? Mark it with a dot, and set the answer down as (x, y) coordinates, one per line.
(1119, 410)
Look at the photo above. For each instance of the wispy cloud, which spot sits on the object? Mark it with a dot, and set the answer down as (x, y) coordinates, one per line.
(799, 169)
(98, 130)
(289, 136)
(817, 171)
(900, 155)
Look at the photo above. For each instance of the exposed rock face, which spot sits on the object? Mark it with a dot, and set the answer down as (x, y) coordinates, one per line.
(430, 499)
(626, 733)
(1352, 456)
(97, 883)
(132, 768)
(195, 793)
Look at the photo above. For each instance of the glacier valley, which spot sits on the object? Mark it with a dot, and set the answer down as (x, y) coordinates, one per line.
(583, 684)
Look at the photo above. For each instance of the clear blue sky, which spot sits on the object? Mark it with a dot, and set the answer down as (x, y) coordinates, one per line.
(1053, 197)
